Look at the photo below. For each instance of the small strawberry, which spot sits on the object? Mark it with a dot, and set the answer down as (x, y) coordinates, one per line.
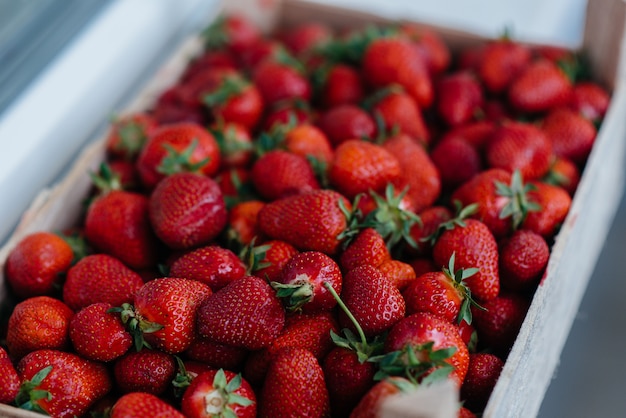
(233, 32)
(279, 81)
(187, 210)
(60, 384)
(500, 63)
(459, 96)
(499, 323)
(294, 386)
(368, 247)
(348, 121)
(35, 266)
(150, 371)
(371, 403)
(312, 221)
(287, 111)
(300, 284)
(216, 355)
(219, 393)
(303, 38)
(128, 134)
(235, 143)
(135, 405)
(571, 135)
(242, 222)
(279, 174)
(541, 86)
(399, 273)
(338, 84)
(246, 313)
(590, 100)
(430, 45)
(523, 259)
(99, 335)
(396, 110)
(477, 133)
(268, 259)
(212, 265)
(482, 375)
(37, 323)
(236, 185)
(554, 202)
(127, 173)
(207, 60)
(100, 278)
(431, 218)
(9, 379)
(308, 141)
(563, 173)
(457, 161)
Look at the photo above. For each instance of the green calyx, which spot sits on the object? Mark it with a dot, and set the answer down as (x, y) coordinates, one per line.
(132, 137)
(177, 162)
(105, 180)
(214, 35)
(458, 220)
(350, 50)
(182, 380)
(294, 295)
(228, 141)
(254, 255)
(458, 277)
(135, 324)
(29, 396)
(231, 86)
(219, 402)
(518, 204)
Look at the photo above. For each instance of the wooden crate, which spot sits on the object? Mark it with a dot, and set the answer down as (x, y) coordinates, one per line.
(535, 354)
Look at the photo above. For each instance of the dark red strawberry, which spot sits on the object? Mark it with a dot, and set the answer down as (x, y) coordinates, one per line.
(590, 100)
(150, 371)
(571, 134)
(500, 63)
(397, 110)
(268, 259)
(499, 323)
(457, 161)
(234, 32)
(541, 86)
(347, 121)
(216, 355)
(368, 247)
(9, 379)
(187, 210)
(213, 265)
(459, 97)
(279, 174)
(430, 45)
(523, 259)
(339, 84)
(482, 375)
(135, 405)
(278, 82)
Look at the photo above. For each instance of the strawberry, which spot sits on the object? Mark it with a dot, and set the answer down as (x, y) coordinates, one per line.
(150, 371)
(368, 247)
(429, 45)
(457, 161)
(501, 62)
(235, 184)
(394, 60)
(246, 313)
(520, 146)
(187, 210)
(277, 81)
(300, 284)
(554, 202)
(99, 335)
(399, 273)
(303, 38)
(287, 111)
(360, 166)
(9, 379)
(135, 405)
(346, 121)
(312, 221)
(178, 147)
(571, 135)
(541, 86)
(216, 355)
(100, 278)
(498, 324)
(242, 222)
(417, 171)
(60, 384)
(563, 173)
(35, 266)
(309, 141)
(422, 329)
(235, 143)
(482, 375)
(371, 403)
(278, 174)
(163, 313)
(294, 386)
(590, 100)
(127, 135)
(212, 265)
(233, 32)
(398, 110)
(268, 259)
(523, 259)
(219, 393)
(37, 323)
(459, 96)
(475, 133)
(420, 232)
(423, 265)
(374, 301)
(207, 60)
(127, 173)
(338, 84)
(474, 246)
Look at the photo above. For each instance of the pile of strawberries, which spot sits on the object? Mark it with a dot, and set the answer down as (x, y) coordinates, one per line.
(304, 225)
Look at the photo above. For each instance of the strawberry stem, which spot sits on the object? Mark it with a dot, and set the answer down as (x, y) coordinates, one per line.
(345, 309)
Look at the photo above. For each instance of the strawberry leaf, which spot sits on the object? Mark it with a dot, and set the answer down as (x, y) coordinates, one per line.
(176, 162)
(518, 204)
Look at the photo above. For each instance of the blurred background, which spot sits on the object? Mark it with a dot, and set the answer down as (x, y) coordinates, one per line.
(66, 66)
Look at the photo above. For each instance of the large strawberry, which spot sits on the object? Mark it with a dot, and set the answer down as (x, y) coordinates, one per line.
(135, 405)
(150, 371)
(60, 384)
(35, 265)
(294, 386)
(541, 86)
(187, 210)
(312, 221)
(459, 97)
(163, 313)
(246, 313)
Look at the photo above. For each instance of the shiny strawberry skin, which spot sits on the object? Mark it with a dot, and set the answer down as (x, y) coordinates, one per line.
(150, 371)
(212, 265)
(555, 203)
(523, 259)
(571, 135)
(278, 82)
(9, 379)
(482, 375)
(279, 173)
(501, 62)
(368, 247)
(540, 87)
(435, 293)
(135, 405)
(459, 96)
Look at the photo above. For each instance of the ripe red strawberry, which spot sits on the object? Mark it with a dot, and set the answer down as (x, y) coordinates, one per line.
(571, 135)
(457, 161)
(308, 141)
(37, 323)
(233, 32)
(372, 401)
(246, 313)
(187, 210)
(268, 259)
(312, 221)
(128, 134)
(339, 84)
(212, 265)
(242, 222)
(390, 60)
(423, 265)
(216, 355)
(399, 273)
(459, 96)
(235, 143)
(150, 371)
(590, 100)
(520, 146)
(303, 38)
(279, 174)
(475, 133)
(277, 82)
(498, 324)
(347, 121)
(563, 173)
(60, 384)
(500, 63)
(374, 301)
(368, 247)
(541, 86)
(523, 259)
(207, 60)
(429, 45)
(178, 147)
(135, 405)
(9, 379)
(474, 246)
(294, 386)
(100, 278)
(360, 166)
(418, 172)
(163, 313)
(398, 110)
(421, 232)
(482, 375)
(127, 173)
(117, 224)
(219, 393)
(235, 184)
(422, 328)
(554, 202)
(34, 267)
(99, 335)
(287, 111)
(300, 284)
